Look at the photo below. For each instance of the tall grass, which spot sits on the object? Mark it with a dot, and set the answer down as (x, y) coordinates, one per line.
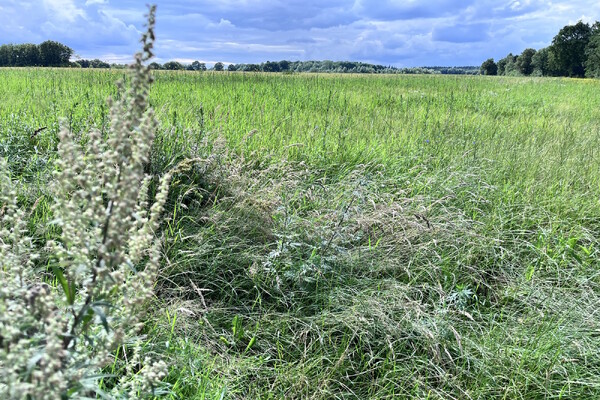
(358, 236)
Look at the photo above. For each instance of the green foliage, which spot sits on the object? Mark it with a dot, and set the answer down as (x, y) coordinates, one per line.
(592, 53)
(569, 48)
(47, 54)
(314, 66)
(154, 66)
(173, 66)
(196, 66)
(54, 54)
(542, 62)
(573, 53)
(508, 66)
(20, 55)
(218, 66)
(525, 62)
(489, 67)
(27, 55)
(341, 67)
(504, 62)
(95, 63)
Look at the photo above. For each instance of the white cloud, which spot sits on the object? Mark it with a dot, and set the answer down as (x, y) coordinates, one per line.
(64, 10)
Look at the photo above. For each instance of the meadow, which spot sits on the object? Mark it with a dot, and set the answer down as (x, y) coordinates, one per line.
(355, 236)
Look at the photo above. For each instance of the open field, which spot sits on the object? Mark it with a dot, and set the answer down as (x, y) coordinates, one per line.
(356, 236)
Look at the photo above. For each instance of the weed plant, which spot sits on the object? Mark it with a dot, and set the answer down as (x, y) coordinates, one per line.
(73, 306)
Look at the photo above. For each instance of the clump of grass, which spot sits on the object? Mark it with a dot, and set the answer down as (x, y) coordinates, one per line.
(292, 284)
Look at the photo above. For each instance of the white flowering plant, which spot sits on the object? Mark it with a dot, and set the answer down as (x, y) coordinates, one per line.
(61, 322)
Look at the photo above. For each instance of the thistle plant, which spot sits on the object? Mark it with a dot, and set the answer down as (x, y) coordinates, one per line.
(61, 323)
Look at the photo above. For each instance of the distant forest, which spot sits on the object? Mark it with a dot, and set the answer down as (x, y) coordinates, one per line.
(574, 52)
(285, 66)
(54, 54)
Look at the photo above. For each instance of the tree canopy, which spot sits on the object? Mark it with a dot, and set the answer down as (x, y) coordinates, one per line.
(569, 46)
(574, 52)
(54, 54)
(592, 53)
(46, 54)
(173, 66)
(489, 67)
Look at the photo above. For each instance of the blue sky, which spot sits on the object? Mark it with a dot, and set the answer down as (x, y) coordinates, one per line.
(388, 32)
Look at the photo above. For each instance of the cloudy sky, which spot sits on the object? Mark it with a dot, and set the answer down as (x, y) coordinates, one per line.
(389, 32)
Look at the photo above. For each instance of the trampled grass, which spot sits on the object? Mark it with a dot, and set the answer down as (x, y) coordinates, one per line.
(357, 236)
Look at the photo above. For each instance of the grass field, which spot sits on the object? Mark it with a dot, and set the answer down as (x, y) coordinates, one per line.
(356, 236)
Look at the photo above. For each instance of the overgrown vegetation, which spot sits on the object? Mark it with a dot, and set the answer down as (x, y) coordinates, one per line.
(353, 236)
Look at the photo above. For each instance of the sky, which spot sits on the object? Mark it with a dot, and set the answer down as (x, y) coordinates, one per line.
(389, 32)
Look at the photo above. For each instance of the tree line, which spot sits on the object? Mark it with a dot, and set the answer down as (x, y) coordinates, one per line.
(46, 54)
(325, 66)
(54, 54)
(574, 52)
(283, 66)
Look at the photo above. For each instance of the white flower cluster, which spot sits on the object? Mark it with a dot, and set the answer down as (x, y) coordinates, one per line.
(56, 334)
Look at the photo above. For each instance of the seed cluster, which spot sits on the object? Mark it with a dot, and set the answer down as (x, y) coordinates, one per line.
(58, 330)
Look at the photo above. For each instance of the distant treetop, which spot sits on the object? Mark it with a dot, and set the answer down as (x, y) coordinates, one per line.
(574, 52)
(46, 54)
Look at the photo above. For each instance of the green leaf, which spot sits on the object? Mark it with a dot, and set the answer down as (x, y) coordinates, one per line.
(250, 344)
(100, 313)
(32, 362)
(68, 288)
(530, 272)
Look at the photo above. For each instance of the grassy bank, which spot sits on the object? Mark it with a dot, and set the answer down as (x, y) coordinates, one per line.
(357, 236)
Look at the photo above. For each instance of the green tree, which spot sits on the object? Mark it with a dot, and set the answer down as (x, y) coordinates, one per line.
(26, 55)
(198, 66)
(507, 65)
(542, 62)
(284, 65)
(489, 67)
(54, 54)
(219, 66)
(592, 53)
(270, 67)
(173, 66)
(524, 61)
(6, 55)
(96, 63)
(251, 67)
(569, 47)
